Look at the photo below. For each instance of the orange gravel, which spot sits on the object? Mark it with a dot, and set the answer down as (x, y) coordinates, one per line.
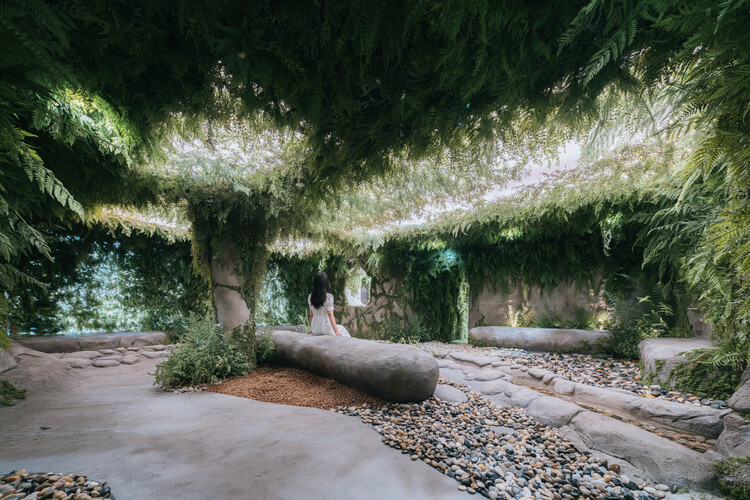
(289, 386)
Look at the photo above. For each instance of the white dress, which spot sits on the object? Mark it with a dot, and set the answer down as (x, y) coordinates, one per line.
(320, 324)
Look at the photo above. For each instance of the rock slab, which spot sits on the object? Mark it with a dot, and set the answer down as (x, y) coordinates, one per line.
(394, 372)
(735, 440)
(450, 394)
(668, 353)
(740, 400)
(7, 362)
(73, 343)
(537, 339)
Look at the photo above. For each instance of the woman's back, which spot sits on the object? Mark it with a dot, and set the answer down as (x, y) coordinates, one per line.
(320, 324)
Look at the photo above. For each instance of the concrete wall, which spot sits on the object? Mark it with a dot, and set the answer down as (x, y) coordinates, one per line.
(496, 308)
(231, 308)
(388, 301)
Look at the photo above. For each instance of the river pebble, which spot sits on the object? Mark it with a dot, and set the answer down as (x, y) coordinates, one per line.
(459, 439)
(21, 484)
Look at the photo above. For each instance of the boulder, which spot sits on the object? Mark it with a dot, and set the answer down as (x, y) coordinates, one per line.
(494, 387)
(523, 397)
(552, 411)
(128, 339)
(488, 374)
(663, 460)
(740, 400)
(7, 361)
(735, 440)
(661, 355)
(38, 371)
(130, 359)
(83, 354)
(154, 354)
(537, 339)
(78, 362)
(450, 394)
(474, 359)
(105, 363)
(564, 386)
(395, 372)
(50, 344)
(691, 419)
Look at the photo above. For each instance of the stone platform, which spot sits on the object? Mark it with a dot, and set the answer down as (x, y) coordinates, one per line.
(94, 342)
(661, 355)
(537, 339)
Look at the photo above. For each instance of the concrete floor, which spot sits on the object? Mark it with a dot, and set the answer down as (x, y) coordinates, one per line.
(115, 426)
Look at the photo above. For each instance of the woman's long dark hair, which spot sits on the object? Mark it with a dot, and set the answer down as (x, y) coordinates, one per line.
(320, 289)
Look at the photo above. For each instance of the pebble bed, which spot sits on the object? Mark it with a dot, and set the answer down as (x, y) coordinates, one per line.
(584, 369)
(498, 452)
(22, 484)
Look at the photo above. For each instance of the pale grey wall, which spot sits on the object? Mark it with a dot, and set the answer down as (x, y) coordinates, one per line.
(496, 308)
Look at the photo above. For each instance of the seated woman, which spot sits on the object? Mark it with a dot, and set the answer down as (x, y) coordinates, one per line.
(320, 301)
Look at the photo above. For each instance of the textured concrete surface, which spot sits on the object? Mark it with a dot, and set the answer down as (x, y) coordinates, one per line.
(115, 426)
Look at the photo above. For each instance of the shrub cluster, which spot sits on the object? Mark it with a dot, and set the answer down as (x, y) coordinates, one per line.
(206, 355)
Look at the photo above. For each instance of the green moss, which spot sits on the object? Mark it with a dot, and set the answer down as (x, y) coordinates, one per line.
(734, 474)
(658, 364)
(698, 375)
(8, 393)
(478, 343)
(648, 378)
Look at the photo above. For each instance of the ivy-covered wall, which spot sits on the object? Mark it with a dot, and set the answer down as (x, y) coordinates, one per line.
(389, 304)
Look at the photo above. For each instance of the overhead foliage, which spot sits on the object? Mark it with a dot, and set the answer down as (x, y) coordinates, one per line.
(361, 91)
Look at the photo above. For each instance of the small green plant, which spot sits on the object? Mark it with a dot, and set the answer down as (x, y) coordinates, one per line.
(412, 332)
(733, 477)
(205, 357)
(264, 348)
(8, 393)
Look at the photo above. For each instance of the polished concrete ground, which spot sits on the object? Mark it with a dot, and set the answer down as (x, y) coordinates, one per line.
(114, 425)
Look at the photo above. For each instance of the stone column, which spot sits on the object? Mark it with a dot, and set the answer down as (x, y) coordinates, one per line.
(231, 308)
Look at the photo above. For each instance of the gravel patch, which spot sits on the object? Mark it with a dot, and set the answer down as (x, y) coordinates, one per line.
(498, 452)
(290, 386)
(21, 484)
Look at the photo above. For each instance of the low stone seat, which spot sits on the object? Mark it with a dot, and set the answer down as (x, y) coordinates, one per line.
(661, 355)
(537, 339)
(394, 372)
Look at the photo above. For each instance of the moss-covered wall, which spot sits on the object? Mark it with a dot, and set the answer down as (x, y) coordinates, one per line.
(389, 302)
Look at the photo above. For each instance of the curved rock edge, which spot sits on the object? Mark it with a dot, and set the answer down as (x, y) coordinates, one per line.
(661, 459)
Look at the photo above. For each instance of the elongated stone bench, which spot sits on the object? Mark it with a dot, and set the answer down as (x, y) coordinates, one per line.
(394, 372)
(537, 339)
(73, 343)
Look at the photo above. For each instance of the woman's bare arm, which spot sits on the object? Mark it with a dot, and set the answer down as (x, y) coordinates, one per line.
(311, 317)
(333, 323)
